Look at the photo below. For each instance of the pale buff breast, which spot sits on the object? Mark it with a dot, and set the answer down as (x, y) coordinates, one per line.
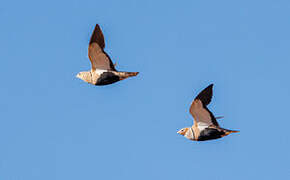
(190, 134)
(95, 74)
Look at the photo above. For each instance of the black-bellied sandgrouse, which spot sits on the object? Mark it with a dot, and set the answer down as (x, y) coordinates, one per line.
(103, 71)
(205, 126)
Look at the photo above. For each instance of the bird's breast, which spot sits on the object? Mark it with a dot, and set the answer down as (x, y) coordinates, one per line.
(190, 134)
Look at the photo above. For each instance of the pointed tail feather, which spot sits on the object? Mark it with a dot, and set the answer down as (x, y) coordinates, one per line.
(124, 75)
(130, 74)
(227, 132)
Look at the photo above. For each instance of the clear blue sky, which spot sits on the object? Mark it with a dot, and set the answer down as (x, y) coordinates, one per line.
(55, 127)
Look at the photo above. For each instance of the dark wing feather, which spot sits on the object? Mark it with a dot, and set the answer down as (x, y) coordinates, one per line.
(213, 119)
(205, 95)
(98, 37)
(98, 57)
(198, 108)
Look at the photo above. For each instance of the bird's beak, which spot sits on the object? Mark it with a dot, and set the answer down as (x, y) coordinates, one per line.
(181, 132)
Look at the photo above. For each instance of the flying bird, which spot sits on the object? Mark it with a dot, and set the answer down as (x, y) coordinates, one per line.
(205, 125)
(103, 70)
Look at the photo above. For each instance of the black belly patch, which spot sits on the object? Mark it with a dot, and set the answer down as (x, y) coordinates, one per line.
(107, 78)
(210, 133)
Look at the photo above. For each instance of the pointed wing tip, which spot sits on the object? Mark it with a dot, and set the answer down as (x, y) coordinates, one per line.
(98, 37)
(97, 26)
(209, 88)
(205, 95)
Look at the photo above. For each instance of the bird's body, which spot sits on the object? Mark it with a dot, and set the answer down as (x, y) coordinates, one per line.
(104, 77)
(202, 133)
(205, 126)
(103, 70)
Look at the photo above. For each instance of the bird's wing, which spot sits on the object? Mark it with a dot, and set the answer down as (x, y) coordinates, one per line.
(98, 57)
(198, 108)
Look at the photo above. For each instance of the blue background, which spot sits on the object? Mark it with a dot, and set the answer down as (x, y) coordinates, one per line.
(54, 126)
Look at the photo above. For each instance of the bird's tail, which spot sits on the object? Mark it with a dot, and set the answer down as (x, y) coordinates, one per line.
(131, 74)
(227, 131)
(124, 75)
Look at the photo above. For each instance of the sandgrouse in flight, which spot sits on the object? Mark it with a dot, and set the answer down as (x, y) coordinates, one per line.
(205, 126)
(103, 71)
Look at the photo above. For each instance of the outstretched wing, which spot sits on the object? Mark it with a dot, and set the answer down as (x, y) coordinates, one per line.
(98, 57)
(198, 108)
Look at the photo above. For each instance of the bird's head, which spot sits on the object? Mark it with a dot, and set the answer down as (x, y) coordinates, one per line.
(85, 76)
(183, 131)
